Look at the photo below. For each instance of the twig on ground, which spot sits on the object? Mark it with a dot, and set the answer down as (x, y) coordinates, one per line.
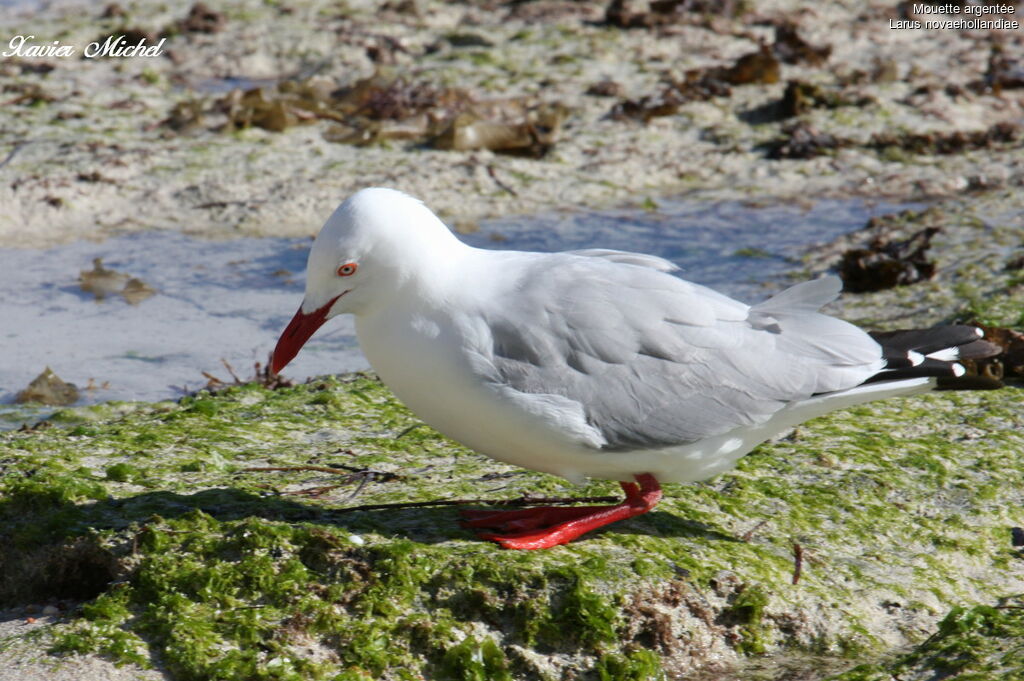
(231, 370)
(749, 534)
(522, 501)
(18, 146)
(494, 176)
(798, 561)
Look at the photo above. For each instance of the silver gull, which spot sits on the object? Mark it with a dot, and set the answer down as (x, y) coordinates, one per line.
(593, 363)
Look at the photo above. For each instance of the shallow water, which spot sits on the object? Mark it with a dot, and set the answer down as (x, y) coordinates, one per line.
(230, 300)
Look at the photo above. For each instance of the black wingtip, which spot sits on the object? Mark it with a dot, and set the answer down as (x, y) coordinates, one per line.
(947, 353)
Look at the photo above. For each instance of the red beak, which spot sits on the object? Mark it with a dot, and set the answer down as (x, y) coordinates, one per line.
(298, 331)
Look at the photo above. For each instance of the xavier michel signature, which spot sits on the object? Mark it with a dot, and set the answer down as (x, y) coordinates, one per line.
(113, 46)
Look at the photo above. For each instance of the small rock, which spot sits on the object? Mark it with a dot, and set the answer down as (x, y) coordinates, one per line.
(100, 281)
(136, 290)
(605, 88)
(1017, 536)
(50, 610)
(48, 388)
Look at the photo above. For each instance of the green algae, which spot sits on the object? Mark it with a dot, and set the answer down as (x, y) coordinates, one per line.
(980, 643)
(473, 660)
(637, 665)
(196, 555)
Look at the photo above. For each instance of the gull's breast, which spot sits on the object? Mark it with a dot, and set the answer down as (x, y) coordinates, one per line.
(427, 361)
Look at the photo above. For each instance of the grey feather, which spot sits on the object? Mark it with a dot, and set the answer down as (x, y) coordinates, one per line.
(657, 361)
(628, 258)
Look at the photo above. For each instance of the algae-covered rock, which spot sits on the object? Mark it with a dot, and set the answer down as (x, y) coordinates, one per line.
(49, 388)
(102, 282)
(980, 642)
(247, 534)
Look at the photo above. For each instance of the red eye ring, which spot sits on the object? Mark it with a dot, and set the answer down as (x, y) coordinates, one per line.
(348, 269)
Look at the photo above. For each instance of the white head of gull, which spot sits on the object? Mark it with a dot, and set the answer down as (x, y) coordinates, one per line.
(594, 363)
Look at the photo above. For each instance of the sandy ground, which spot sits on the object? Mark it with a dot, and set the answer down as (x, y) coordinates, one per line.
(90, 151)
(23, 656)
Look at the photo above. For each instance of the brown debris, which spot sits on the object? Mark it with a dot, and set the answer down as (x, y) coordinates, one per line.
(950, 143)
(261, 376)
(29, 94)
(16, 66)
(527, 133)
(1003, 72)
(275, 109)
(102, 282)
(383, 96)
(639, 14)
(696, 86)
(665, 103)
(202, 19)
(1009, 363)
(48, 388)
(184, 115)
(755, 67)
(800, 97)
(802, 141)
(360, 106)
(605, 88)
(884, 264)
(113, 11)
(136, 290)
(792, 49)
(385, 107)
(763, 66)
(798, 562)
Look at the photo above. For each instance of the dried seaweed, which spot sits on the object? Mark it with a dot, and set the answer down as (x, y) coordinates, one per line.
(202, 19)
(639, 14)
(799, 98)
(185, 115)
(530, 133)
(102, 282)
(28, 94)
(261, 375)
(761, 66)
(802, 141)
(696, 85)
(386, 107)
(1009, 363)
(949, 143)
(884, 264)
(605, 88)
(790, 48)
(136, 290)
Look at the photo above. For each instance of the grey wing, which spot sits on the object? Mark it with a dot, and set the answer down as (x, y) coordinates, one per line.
(657, 361)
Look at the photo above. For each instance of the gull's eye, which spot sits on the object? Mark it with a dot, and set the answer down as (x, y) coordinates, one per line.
(347, 270)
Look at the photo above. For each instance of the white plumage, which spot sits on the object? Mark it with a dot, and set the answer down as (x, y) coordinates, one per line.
(589, 363)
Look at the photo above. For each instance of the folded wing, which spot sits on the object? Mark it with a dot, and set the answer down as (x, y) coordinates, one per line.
(656, 361)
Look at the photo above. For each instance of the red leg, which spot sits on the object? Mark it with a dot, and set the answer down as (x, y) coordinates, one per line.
(526, 518)
(546, 526)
